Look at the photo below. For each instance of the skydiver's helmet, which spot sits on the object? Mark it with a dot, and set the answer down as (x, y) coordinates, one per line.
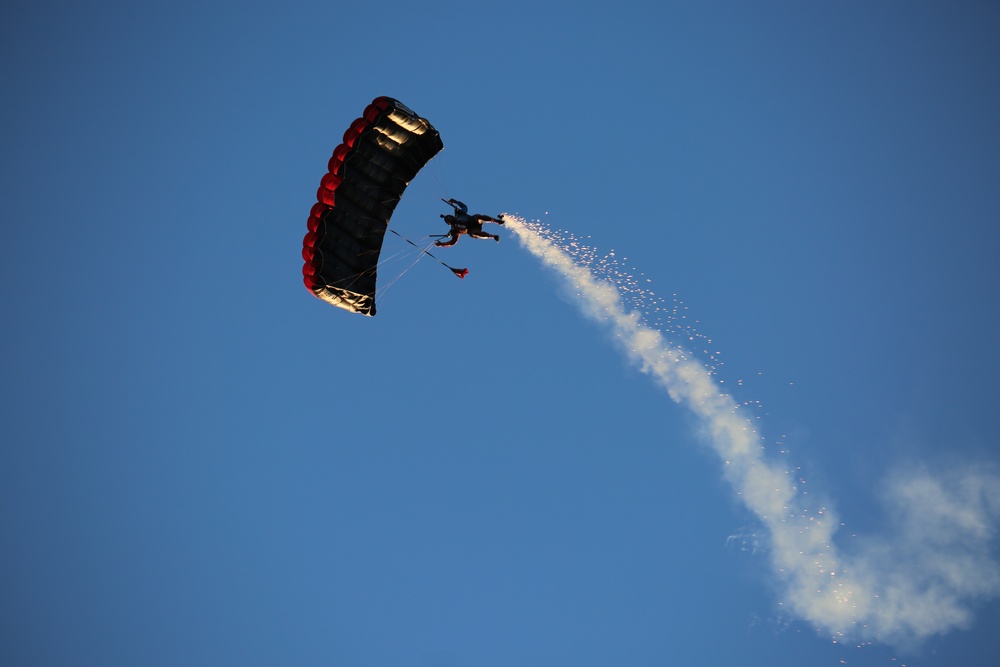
(450, 219)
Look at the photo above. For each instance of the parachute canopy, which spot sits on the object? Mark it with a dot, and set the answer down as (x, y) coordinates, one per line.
(381, 153)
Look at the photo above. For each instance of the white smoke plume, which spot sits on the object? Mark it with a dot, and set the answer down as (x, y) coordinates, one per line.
(898, 589)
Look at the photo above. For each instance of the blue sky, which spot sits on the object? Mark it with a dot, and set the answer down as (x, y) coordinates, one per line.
(202, 464)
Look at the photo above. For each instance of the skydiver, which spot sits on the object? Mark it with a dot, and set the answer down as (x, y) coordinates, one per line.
(463, 223)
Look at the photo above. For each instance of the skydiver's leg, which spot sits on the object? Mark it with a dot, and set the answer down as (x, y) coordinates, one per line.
(484, 235)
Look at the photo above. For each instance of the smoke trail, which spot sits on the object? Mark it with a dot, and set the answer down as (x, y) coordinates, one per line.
(900, 589)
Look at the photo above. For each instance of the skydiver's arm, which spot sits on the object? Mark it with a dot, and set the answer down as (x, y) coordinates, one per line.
(452, 240)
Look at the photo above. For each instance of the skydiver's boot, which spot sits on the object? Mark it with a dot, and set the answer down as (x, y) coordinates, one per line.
(496, 238)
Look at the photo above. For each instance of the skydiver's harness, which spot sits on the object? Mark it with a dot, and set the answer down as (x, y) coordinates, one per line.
(460, 220)
(457, 223)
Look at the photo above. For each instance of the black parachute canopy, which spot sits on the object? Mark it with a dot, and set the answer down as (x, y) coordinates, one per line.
(381, 153)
